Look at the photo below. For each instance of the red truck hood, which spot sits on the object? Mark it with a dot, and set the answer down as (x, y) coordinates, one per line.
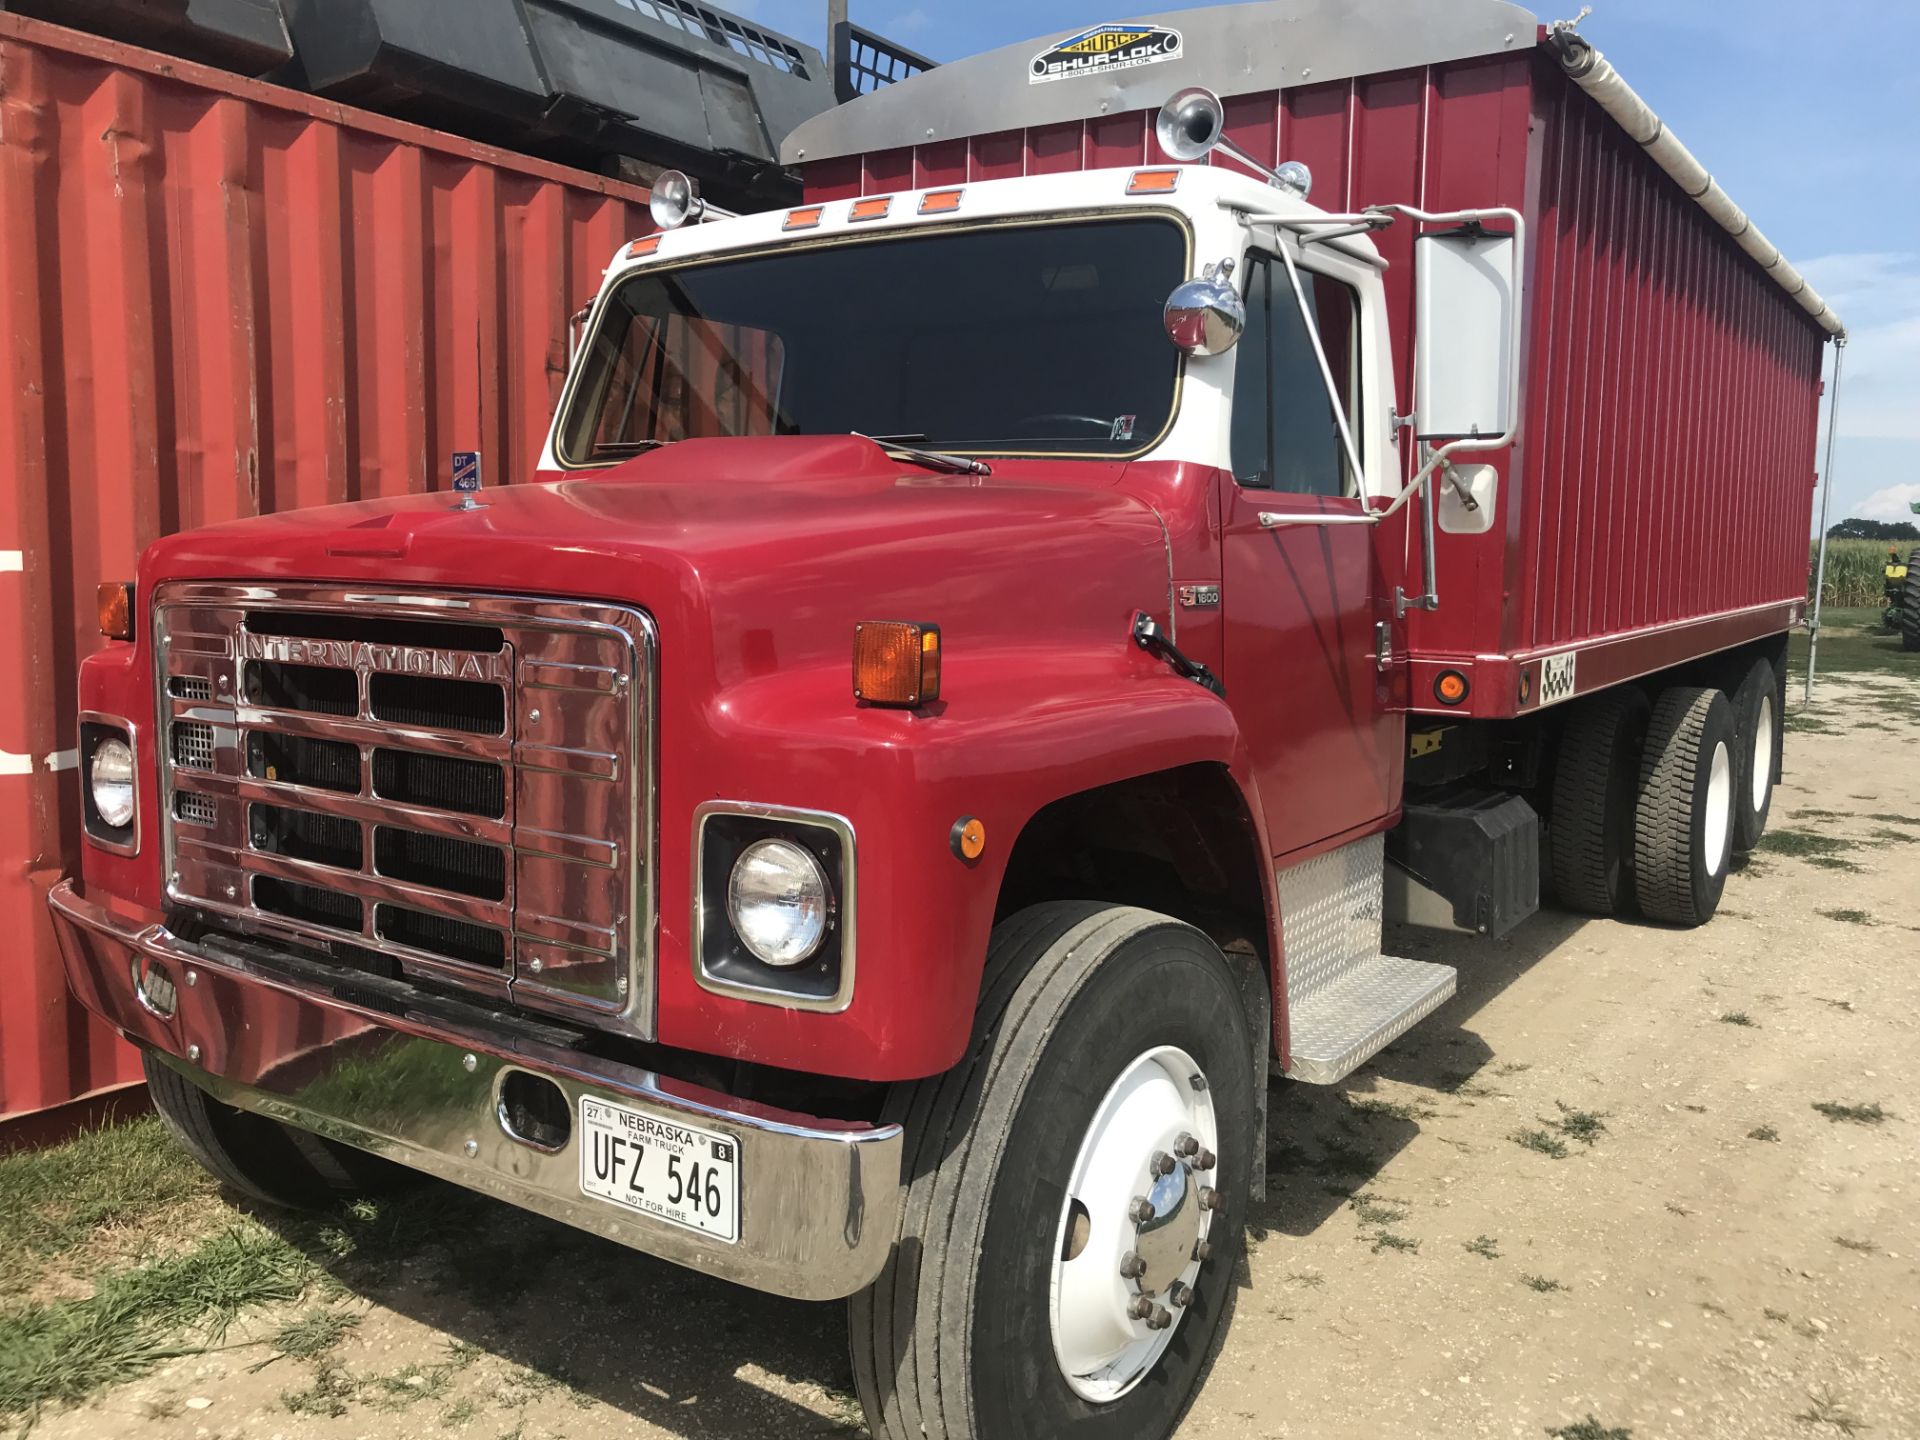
(768, 550)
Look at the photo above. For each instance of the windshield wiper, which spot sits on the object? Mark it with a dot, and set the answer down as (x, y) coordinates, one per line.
(625, 449)
(932, 459)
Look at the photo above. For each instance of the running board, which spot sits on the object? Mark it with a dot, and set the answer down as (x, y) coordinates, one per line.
(1345, 1000)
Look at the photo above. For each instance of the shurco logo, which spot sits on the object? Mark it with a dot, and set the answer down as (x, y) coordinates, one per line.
(1104, 48)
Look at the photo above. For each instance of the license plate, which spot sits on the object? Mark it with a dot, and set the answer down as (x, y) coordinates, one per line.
(662, 1168)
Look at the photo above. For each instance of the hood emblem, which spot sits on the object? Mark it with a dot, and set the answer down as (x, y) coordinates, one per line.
(466, 479)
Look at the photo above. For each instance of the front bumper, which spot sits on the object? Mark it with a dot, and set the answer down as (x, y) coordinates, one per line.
(416, 1080)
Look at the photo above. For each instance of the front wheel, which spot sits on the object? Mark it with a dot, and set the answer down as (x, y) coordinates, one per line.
(1077, 1187)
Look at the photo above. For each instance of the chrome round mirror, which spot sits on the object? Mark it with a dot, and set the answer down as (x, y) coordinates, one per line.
(1190, 124)
(1206, 316)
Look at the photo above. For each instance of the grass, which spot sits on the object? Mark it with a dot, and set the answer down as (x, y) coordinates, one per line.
(1824, 1408)
(1852, 1114)
(1802, 844)
(1859, 1247)
(1378, 1109)
(55, 1201)
(1590, 1429)
(1852, 641)
(1763, 1132)
(1485, 1246)
(1387, 1240)
(1739, 1017)
(310, 1336)
(1541, 1284)
(65, 1350)
(1586, 1126)
(1848, 917)
(1371, 1212)
(1540, 1141)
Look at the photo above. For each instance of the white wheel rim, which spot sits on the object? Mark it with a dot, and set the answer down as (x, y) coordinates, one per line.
(1104, 1338)
(1713, 835)
(1762, 754)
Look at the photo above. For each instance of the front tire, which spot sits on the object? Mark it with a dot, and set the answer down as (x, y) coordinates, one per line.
(972, 1330)
(264, 1160)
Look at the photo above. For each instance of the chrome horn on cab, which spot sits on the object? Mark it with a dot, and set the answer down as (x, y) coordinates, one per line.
(1193, 123)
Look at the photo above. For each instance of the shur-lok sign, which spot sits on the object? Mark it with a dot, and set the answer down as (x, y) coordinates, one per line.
(1103, 49)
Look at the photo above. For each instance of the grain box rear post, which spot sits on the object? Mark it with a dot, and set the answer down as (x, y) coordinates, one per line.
(1659, 501)
(219, 297)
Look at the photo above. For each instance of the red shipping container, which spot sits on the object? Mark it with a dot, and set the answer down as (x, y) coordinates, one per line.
(218, 298)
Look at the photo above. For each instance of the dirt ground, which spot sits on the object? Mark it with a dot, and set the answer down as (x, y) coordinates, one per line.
(1712, 1255)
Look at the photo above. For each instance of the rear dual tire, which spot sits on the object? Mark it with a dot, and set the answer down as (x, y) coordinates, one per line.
(1758, 737)
(965, 1334)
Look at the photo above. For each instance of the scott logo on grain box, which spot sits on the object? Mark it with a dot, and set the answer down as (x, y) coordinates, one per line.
(1104, 48)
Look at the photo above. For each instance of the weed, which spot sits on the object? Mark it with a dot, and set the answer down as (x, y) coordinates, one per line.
(1846, 1005)
(1779, 1317)
(1514, 1067)
(1541, 1283)
(1590, 1429)
(1860, 1247)
(1849, 917)
(1387, 1240)
(1855, 1114)
(1824, 1409)
(1834, 862)
(1586, 1126)
(460, 1412)
(1372, 1212)
(1377, 1108)
(1803, 843)
(166, 1407)
(1739, 1017)
(1676, 1208)
(1311, 1279)
(1340, 1158)
(1541, 1141)
(1893, 837)
(313, 1334)
(1485, 1246)
(1763, 1132)
(1695, 1109)
(332, 1388)
(1714, 1307)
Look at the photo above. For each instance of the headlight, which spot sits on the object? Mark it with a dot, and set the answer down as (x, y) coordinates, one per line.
(111, 776)
(777, 898)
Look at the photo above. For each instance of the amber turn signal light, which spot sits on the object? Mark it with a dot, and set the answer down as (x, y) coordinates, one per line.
(896, 663)
(116, 609)
(1450, 688)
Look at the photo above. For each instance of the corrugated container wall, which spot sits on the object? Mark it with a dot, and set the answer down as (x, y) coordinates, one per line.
(218, 297)
(1667, 459)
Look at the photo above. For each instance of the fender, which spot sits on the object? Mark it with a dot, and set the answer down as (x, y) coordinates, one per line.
(1016, 729)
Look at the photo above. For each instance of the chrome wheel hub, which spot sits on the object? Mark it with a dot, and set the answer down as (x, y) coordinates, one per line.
(1132, 1240)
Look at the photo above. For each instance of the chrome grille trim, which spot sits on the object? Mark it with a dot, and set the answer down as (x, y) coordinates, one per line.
(577, 836)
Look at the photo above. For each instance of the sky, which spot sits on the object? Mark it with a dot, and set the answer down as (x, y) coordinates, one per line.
(1808, 114)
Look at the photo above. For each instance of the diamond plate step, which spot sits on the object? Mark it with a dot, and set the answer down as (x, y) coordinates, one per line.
(1371, 1004)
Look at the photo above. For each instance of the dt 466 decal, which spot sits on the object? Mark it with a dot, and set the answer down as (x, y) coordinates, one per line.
(1102, 49)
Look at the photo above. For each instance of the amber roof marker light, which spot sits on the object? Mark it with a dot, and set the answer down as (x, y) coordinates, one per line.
(968, 839)
(896, 663)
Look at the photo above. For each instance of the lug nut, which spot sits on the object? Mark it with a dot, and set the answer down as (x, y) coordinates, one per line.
(1140, 1308)
(1162, 1163)
(1209, 1198)
(1201, 1250)
(1186, 1146)
(1132, 1267)
(1160, 1319)
(1204, 1160)
(1140, 1210)
(1179, 1296)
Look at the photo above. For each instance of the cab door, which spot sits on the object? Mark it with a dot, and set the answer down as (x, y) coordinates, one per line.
(1301, 648)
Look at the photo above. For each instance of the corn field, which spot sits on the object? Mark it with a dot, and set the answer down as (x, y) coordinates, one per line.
(1855, 571)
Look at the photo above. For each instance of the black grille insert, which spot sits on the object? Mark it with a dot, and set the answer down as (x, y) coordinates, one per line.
(296, 760)
(316, 689)
(441, 861)
(419, 634)
(306, 903)
(305, 835)
(470, 705)
(441, 935)
(441, 782)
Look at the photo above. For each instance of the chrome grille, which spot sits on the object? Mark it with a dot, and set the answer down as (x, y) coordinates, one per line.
(452, 787)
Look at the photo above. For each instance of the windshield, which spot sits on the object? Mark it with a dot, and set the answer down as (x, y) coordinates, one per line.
(1020, 338)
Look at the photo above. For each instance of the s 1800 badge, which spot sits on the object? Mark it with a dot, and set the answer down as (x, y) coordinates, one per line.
(1102, 49)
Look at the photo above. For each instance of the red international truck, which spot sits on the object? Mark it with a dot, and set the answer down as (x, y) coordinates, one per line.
(986, 651)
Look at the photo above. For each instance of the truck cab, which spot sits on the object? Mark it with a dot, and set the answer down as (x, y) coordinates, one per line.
(942, 727)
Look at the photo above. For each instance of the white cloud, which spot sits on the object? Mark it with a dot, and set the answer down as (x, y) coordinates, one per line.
(910, 22)
(1895, 502)
(1878, 295)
